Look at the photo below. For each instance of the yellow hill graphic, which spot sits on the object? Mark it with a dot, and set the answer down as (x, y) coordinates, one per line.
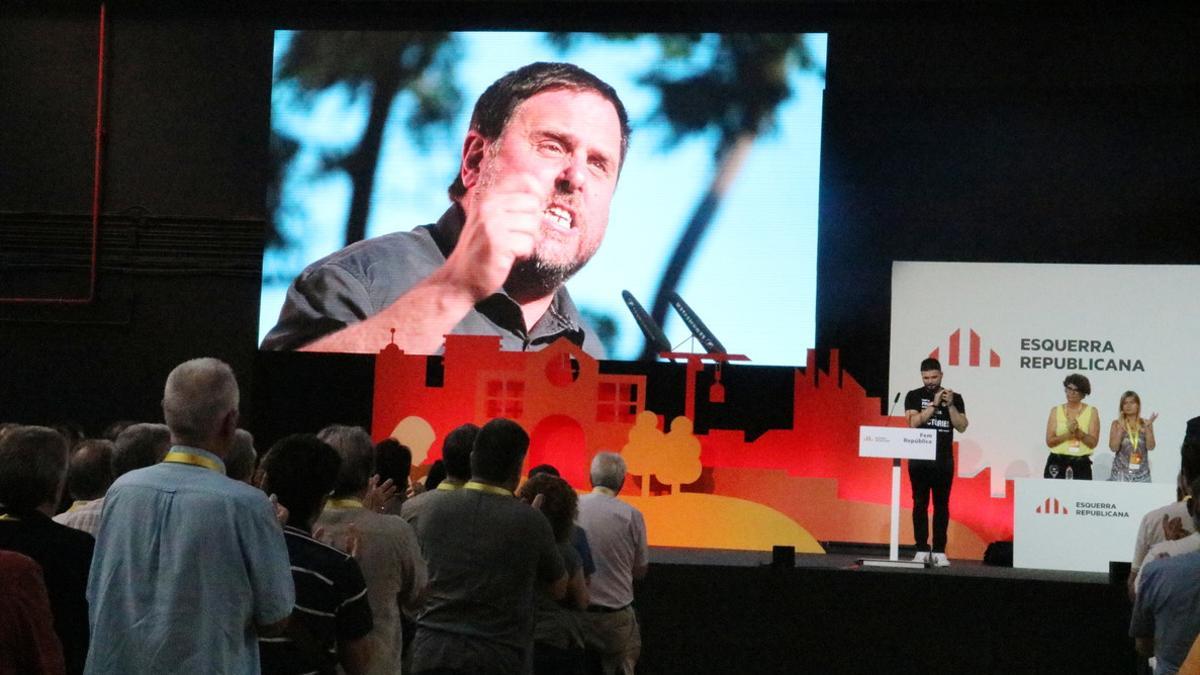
(711, 521)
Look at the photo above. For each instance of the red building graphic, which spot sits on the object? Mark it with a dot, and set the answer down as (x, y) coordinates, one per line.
(810, 472)
(570, 409)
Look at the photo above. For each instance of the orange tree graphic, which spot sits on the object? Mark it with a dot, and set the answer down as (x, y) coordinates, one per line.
(641, 451)
(679, 463)
(674, 458)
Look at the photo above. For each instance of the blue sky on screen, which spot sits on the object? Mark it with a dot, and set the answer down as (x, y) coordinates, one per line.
(753, 278)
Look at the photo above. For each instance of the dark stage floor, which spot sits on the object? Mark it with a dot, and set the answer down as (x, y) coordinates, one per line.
(706, 611)
(849, 560)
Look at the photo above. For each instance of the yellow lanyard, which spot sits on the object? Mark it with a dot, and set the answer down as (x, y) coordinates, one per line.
(5, 516)
(76, 505)
(1134, 438)
(447, 487)
(194, 460)
(484, 487)
(347, 503)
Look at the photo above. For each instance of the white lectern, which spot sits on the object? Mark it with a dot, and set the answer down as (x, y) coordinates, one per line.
(896, 443)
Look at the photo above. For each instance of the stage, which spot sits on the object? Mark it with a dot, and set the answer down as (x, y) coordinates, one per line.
(708, 611)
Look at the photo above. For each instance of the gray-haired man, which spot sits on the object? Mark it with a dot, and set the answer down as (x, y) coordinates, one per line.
(617, 535)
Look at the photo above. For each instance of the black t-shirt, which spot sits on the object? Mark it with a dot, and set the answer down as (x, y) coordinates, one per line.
(919, 399)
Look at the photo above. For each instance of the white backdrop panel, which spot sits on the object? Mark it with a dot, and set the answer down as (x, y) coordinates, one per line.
(1123, 326)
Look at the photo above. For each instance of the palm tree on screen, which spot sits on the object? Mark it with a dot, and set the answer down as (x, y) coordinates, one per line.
(381, 66)
(736, 92)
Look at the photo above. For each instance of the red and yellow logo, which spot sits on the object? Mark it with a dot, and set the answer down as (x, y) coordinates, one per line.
(1052, 505)
(974, 349)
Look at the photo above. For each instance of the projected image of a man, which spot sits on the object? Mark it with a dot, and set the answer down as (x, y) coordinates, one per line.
(531, 202)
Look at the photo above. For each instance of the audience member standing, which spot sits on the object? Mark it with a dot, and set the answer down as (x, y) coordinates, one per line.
(456, 458)
(557, 637)
(139, 446)
(239, 465)
(99, 463)
(1173, 547)
(33, 469)
(28, 644)
(617, 534)
(486, 550)
(387, 547)
(393, 461)
(1171, 522)
(332, 617)
(89, 473)
(1166, 612)
(191, 567)
(578, 536)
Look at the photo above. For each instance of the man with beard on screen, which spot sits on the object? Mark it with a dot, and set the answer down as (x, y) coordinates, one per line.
(540, 163)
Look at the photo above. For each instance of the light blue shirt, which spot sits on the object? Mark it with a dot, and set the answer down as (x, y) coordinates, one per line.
(1168, 609)
(187, 562)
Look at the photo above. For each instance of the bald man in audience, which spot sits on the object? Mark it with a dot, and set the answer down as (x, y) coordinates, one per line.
(33, 469)
(191, 567)
(89, 474)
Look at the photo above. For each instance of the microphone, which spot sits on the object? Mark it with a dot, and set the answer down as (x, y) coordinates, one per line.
(653, 333)
(692, 320)
(894, 402)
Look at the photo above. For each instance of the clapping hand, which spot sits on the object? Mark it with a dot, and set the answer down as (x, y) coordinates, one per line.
(378, 494)
(1150, 421)
(1173, 528)
(414, 488)
(350, 544)
(281, 512)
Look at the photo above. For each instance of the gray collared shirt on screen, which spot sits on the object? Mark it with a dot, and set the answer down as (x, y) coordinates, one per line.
(364, 278)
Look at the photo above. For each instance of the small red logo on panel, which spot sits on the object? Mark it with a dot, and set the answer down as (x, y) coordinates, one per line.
(1052, 505)
(954, 348)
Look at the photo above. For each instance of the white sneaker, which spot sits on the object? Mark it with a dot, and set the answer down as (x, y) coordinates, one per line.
(940, 560)
(921, 557)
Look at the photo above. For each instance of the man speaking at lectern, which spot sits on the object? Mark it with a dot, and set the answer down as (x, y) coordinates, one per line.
(933, 407)
(530, 206)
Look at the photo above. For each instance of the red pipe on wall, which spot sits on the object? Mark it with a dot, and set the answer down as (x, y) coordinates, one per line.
(97, 175)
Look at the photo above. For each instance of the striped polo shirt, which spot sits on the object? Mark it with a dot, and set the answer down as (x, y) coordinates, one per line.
(331, 605)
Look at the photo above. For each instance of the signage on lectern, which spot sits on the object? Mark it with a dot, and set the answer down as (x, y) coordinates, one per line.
(897, 443)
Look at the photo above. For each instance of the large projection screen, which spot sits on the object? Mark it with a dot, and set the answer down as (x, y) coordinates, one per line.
(752, 276)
